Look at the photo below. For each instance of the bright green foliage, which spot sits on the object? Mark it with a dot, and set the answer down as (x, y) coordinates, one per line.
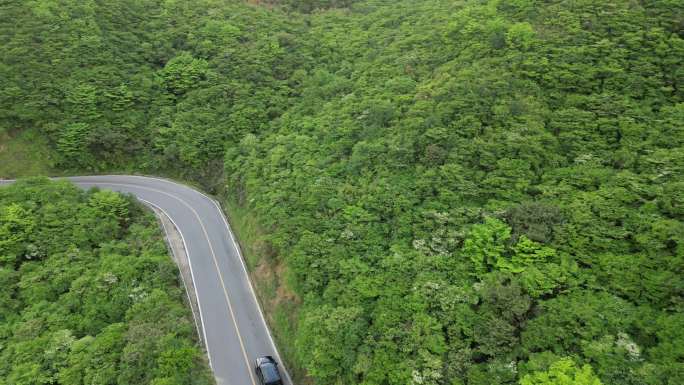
(16, 226)
(326, 339)
(527, 253)
(183, 73)
(489, 247)
(461, 192)
(563, 372)
(88, 294)
(73, 142)
(486, 245)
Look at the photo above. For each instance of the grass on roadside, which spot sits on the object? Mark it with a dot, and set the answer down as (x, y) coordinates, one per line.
(25, 153)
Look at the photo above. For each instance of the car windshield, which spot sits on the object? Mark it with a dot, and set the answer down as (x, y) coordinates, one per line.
(270, 373)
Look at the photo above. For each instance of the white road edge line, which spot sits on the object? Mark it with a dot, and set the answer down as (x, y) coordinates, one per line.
(199, 305)
(256, 300)
(242, 262)
(211, 248)
(241, 258)
(187, 293)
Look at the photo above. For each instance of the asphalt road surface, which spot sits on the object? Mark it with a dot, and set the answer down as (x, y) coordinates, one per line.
(235, 332)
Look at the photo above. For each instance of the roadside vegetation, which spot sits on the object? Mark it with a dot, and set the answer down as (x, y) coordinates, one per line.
(446, 192)
(25, 153)
(88, 293)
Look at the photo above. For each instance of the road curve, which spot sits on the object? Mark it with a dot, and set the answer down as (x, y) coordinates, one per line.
(235, 332)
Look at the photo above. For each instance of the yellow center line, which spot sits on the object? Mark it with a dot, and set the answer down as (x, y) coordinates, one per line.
(213, 254)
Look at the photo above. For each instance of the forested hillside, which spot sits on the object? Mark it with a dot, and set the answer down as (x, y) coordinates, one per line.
(88, 293)
(459, 192)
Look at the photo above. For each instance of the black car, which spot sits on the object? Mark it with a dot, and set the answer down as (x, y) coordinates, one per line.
(267, 371)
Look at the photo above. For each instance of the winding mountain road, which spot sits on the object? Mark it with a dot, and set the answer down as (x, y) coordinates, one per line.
(235, 332)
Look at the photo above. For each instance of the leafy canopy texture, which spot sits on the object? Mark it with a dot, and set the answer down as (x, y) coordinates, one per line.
(88, 294)
(562, 372)
(452, 192)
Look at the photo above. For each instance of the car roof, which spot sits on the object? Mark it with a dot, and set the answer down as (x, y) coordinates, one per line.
(270, 372)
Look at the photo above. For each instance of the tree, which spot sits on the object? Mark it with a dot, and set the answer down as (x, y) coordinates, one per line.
(183, 72)
(463, 186)
(562, 372)
(486, 244)
(16, 223)
(89, 295)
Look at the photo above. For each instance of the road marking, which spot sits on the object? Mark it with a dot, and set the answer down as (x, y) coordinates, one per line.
(204, 332)
(235, 245)
(256, 300)
(211, 248)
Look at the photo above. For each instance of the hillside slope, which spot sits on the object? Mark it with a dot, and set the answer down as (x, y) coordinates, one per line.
(459, 192)
(88, 292)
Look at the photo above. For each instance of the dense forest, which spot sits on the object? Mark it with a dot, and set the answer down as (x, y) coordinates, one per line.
(88, 293)
(460, 192)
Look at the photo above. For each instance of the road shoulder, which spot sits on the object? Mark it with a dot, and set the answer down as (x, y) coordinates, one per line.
(174, 241)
